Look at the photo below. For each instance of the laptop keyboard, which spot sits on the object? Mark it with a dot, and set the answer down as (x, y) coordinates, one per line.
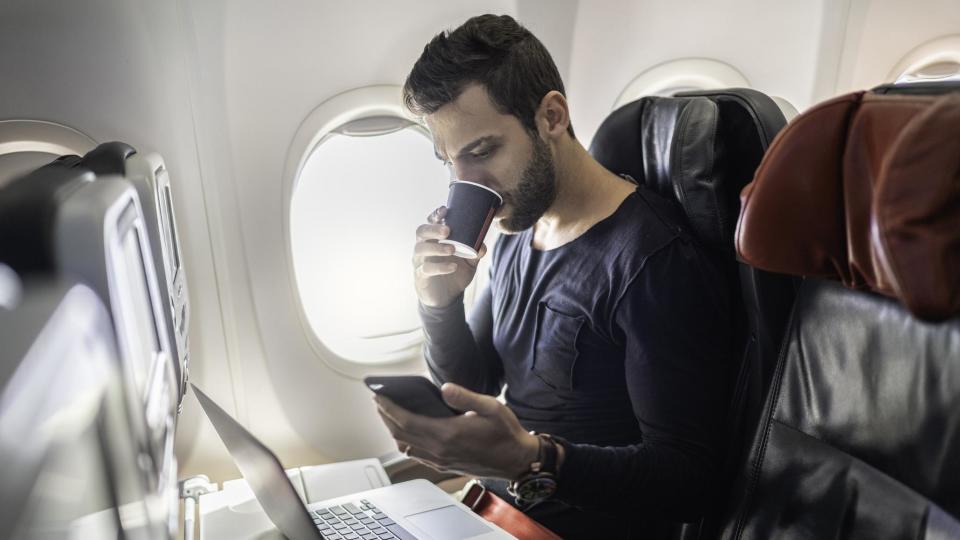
(357, 521)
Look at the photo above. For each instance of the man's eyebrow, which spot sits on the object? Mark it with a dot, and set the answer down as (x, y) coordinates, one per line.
(470, 146)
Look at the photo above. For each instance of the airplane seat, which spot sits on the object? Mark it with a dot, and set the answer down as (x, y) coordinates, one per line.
(108, 158)
(860, 435)
(754, 120)
(699, 149)
(919, 88)
(789, 111)
(70, 469)
(27, 220)
(148, 174)
(58, 220)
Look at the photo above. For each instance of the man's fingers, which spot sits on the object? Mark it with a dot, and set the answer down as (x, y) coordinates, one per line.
(393, 415)
(425, 458)
(419, 452)
(420, 443)
(415, 452)
(437, 215)
(460, 398)
(403, 437)
(408, 422)
(429, 269)
(432, 231)
(430, 249)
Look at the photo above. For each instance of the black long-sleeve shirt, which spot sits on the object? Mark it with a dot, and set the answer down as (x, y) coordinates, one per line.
(619, 342)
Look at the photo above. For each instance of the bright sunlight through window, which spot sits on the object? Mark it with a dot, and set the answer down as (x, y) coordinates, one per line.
(353, 220)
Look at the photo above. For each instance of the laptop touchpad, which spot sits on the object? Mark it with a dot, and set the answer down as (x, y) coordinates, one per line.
(448, 522)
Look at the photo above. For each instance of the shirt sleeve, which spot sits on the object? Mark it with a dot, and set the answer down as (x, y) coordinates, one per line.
(461, 351)
(676, 324)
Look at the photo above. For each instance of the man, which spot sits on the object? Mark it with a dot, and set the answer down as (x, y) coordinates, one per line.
(606, 322)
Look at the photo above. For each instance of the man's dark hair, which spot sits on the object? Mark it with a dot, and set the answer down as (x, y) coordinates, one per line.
(495, 51)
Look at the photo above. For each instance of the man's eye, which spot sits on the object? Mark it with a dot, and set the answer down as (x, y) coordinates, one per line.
(482, 155)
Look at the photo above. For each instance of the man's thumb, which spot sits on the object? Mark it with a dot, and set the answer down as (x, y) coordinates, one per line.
(462, 399)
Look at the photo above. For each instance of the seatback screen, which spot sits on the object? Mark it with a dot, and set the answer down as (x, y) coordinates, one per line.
(138, 325)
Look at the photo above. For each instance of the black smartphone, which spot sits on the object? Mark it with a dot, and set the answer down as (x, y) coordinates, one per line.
(412, 392)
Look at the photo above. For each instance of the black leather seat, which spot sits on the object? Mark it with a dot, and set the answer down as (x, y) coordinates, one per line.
(860, 435)
(918, 88)
(700, 149)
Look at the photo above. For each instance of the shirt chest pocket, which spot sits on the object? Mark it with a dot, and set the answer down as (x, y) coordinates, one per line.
(555, 350)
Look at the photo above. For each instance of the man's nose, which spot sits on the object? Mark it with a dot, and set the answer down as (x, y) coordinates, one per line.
(468, 173)
(458, 172)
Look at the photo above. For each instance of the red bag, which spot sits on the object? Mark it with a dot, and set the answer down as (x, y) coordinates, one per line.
(495, 510)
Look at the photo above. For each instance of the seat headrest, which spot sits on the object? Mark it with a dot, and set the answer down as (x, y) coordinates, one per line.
(698, 150)
(919, 87)
(108, 158)
(864, 189)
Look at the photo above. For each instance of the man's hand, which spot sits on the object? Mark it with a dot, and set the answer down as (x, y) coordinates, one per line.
(487, 440)
(439, 277)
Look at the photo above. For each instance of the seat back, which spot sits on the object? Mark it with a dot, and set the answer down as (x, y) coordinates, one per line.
(94, 232)
(699, 149)
(101, 238)
(148, 175)
(860, 435)
(69, 459)
(918, 88)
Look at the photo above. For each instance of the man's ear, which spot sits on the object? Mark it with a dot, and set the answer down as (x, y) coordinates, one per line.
(553, 115)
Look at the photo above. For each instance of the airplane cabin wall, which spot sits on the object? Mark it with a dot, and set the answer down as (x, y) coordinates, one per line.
(774, 45)
(221, 87)
(881, 36)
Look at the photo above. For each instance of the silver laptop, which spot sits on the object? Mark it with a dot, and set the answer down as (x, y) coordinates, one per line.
(410, 510)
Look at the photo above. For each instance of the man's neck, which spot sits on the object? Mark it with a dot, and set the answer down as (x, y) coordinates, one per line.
(586, 194)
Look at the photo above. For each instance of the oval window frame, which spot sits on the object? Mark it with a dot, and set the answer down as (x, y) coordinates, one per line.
(328, 118)
(44, 137)
(941, 49)
(699, 73)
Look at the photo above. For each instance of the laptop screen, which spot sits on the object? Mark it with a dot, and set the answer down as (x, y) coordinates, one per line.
(263, 471)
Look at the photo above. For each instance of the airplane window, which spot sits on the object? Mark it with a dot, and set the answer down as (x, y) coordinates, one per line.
(359, 198)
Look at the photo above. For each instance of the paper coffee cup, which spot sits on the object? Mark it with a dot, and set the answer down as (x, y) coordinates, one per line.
(470, 211)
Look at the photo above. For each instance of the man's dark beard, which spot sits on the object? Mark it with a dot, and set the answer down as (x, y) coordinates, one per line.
(534, 194)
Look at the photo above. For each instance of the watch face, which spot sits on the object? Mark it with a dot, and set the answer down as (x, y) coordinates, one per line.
(537, 488)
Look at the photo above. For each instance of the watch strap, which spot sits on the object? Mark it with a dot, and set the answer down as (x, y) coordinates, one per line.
(548, 454)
